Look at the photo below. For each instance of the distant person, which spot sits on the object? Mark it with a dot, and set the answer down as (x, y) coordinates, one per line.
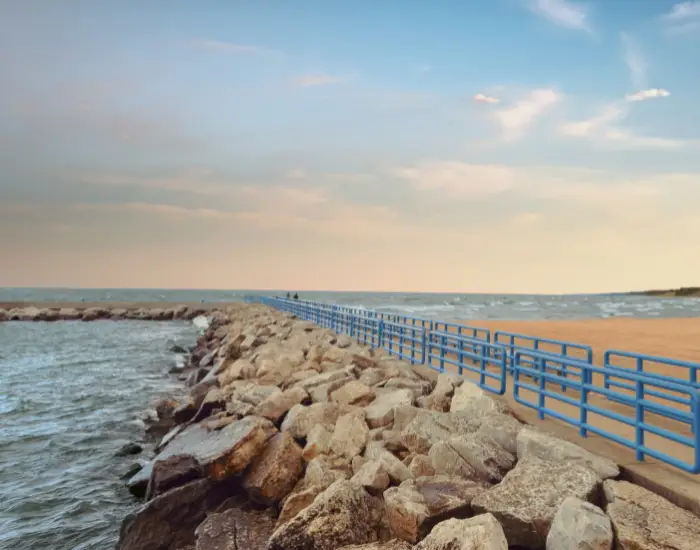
(288, 296)
(296, 296)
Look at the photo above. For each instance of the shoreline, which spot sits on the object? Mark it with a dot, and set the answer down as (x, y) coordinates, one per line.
(292, 436)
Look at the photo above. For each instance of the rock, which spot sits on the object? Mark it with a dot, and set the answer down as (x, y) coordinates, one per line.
(172, 472)
(184, 411)
(175, 348)
(297, 501)
(350, 435)
(168, 521)
(318, 442)
(417, 386)
(531, 442)
(337, 376)
(208, 359)
(132, 470)
(373, 476)
(490, 461)
(445, 460)
(415, 506)
(129, 449)
(363, 362)
(256, 394)
(425, 430)
(276, 405)
(319, 472)
(343, 341)
(579, 525)
(441, 396)
(397, 470)
(527, 499)
(381, 411)
(249, 342)
(393, 544)
(372, 376)
(300, 419)
(502, 428)
(471, 398)
(478, 533)
(235, 529)
(342, 514)
(273, 474)
(214, 400)
(643, 520)
(353, 393)
(240, 369)
(224, 452)
(421, 466)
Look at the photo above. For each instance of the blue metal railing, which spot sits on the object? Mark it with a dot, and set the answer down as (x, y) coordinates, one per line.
(551, 370)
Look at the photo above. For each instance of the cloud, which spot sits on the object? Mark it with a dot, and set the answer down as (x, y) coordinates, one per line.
(458, 179)
(563, 13)
(306, 81)
(222, 46)
(636, 63)
(157, 209)
(601, 129)
(482, 98)
(684, 17)
(651, 93)
(515, 120)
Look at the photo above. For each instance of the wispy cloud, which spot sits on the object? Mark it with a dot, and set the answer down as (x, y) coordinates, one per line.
(483, 98)
(635, 61)
(223, 46)
(563, 13)
(684, 17)
(601, 129)
(319, 79)
(516, 119)
(157, 209)
(458, 179)
(651, 93)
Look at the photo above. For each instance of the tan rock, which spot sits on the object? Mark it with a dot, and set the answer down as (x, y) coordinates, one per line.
(300, 418)
(273, 474)
(381, 411)
(353, 393)
(421, 466)
(373, 476)
(580, 525)
(350, 435)
(478, 533)
(318, 442)
(276, 405)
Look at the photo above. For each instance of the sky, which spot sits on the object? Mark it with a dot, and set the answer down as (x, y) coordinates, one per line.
(544, 146)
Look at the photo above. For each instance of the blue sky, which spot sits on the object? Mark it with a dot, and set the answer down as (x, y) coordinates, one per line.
(256, 139)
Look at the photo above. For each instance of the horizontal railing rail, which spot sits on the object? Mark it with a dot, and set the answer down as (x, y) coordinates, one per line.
(631, 391)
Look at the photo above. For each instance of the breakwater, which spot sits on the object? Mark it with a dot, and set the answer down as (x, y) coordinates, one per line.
(295, 436)
(96, 311)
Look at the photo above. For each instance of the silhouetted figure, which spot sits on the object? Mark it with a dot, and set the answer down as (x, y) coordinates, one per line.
(296, 296)
(288, 296)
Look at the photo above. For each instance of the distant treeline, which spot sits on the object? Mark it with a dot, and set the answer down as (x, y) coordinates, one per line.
(683, 291)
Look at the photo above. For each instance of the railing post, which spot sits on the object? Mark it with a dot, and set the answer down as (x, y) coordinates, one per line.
(380, 334)
(423, 338)
(460, 346)
(639, 409)
(482, 367)
(606, 376)
(540, 397)
(442, 353)
(583, 397)
(563, 367)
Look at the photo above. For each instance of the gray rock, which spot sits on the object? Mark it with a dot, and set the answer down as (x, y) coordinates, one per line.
(580, 525)
(235, 529)
(643, 520)
(168, 521)
(416, 506)
(481, 532)
(445, 460)
(531, 442)
(172, 472)
(342, 514)
(372, 475)
(471, 398)
(490, 461)
(527, 499)
(425, 430)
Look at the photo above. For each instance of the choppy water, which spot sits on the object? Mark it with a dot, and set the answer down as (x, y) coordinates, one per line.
(432, 306)
(71, 395)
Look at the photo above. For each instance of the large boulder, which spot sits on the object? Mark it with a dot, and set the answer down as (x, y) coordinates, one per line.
(300, 419)
(318, 442)
(473, 400)
(168, 521)
(446, 460)
(532, 442)
(342, 514)
(643, 520)
(490, 461)
(381, 411)
(225, 452)
(172, 472)
(425, 430)
(235, 529)
(353, 393)
(350, 435)
(415, 506)
(273, 474)
(527, 499)
(276, 405)
(372, 475)
(580, 525)
(441, 396)
(481, 532)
